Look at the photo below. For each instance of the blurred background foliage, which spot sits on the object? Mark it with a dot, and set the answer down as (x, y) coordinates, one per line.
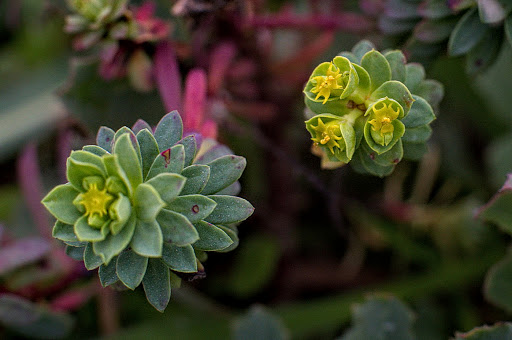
(319, 241)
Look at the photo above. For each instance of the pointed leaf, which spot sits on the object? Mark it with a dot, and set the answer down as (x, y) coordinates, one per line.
(231, 190)
(140, 125)
(131, 268)
(229, 209)
(91, 260)
(233, 235)
(59, 203)
(397, 61)
(147, 239)
(64, 232)
(414, 75)
(223, 172)
(467, 34)
(421, 113)
(176, 228)
(169, 130)
(168, 161)
(148, 150)
(361, 48)
(105, 138)
(107, 274)
(211, 238)
(395, 90)
(190, 147)
(212, 153)
(94, 149)
(377, 67)
(112, 245)
(128, 159)
(147, 202)
(197, 176)
(76, 253)
(77, 171)
(114, 169)
(180, 259)
(157, 285)
(418, 134)
(167, 185)
(193, 207)
(85, 233)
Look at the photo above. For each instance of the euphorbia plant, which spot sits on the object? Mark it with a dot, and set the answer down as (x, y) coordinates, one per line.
(363, 110)
(143, 206)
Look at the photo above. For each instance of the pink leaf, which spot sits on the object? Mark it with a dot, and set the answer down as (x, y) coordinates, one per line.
(220, 61)
(167, 76)
(195, 98)
(22, 252)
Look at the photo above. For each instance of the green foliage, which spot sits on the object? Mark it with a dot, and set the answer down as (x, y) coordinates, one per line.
(136, 227)
(499, 331)
(259, 324)
(363, 112)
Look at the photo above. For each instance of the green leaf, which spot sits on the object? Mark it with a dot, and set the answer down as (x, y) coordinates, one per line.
(140, 125)
(148, 150)
(77, 171)
(229, 209)
(397, 61)
(364, 81)
(377, 67)
(211, 150)
(133, 139)
(414, 75)
(418, 134)
(499, 209)
(120, 211)
(107, 274)
(64, 232)
(381, 317)
(223, 172)
(59, 203)
(395, 90)
(82, 156)
(190, 146)
(85, 233)
(431, 90)
(486, 52)
(421, 113)
(112, 245)
(197, 176)
(157, 285)
(176, 228)
(391, 157)
(435, 9)
(147, 202)
(131, 268)
(467, 34)
(231, 190)
(114, 169)
(193, 207)
(499, 331)
(414, 151)
(211, 238)
(169, 161)
(259, 324)
(128, 159)
(232, 232)
(251, 273)
(180, 259)
(94, 149)
(350, 56)
(105, 138)
(364, 162)
(167, 185)
(169, 130)
(147, 239)
(91, 260)
(361, 48)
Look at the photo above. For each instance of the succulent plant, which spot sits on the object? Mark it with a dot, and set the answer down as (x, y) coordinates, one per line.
(475, 29)
(143, 206)
(369, 109)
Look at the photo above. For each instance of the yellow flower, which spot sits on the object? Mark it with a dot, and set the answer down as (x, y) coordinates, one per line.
(328, 134)
(96, 201)
(383, 117)
(325, 84)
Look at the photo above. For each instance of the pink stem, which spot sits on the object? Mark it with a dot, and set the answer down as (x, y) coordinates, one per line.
(167, 75)
(195, 99)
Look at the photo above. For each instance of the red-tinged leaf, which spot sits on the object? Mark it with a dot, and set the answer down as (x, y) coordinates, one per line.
(220, 60)
(22, 252)
(195, 99)
(209, 129)
(167, 75)
(30, 181)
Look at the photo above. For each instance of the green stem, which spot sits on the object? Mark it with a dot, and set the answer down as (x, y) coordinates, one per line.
(330, 313)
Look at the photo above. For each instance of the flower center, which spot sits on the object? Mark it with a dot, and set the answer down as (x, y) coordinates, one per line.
(96, 201)
(328, 134)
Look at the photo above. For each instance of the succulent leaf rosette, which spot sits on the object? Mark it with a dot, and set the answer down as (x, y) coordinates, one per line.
(369, 109)
(143, 206)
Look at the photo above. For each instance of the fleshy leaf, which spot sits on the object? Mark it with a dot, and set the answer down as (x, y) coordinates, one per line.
(414, 75)
(147, 239)
(180, 259)
(499, 331)
(120, 211)
(64, 232)
(85, 233)
(94, 149)
(76, 253)
(414, 151)
(197, 176)
(157, 285)
(395, 90)
(193, 207)
(176, 228)
(361, 48)
(223, 172)
(105, 137)
(418, 134)
(229, 209)
(147, 202)
(397, 61)
(148, 150)
(168, 161)
(112, 245)
(91, 260)
(169, 130)
(233, 235)
(377, 67)
(431, 90)
(107, 274)
(128, 159)
(391, 157)
(211, 238)
(421, 113)
(167, 185)
(77, 171)
(190, 148)
(59, 203)
(130, 268)
(467, 34)
(399, 130)
(114, 169)
(140, 125)
(485, 52)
